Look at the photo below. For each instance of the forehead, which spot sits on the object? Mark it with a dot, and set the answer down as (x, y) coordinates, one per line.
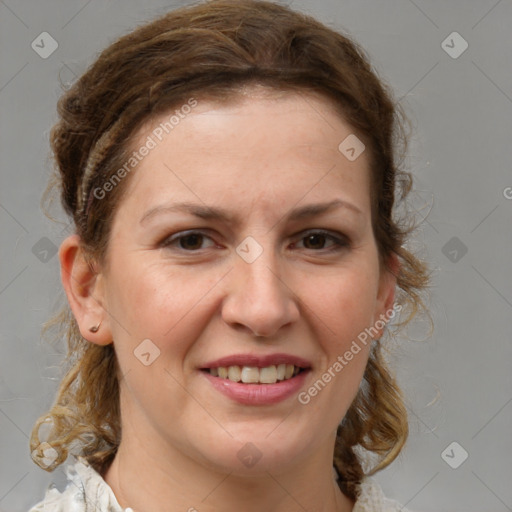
(261, 143)
(252, 115)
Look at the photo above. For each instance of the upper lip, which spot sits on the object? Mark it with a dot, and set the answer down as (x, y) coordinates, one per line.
(259, 361)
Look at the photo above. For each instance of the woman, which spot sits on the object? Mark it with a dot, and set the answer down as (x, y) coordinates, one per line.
(231, 170)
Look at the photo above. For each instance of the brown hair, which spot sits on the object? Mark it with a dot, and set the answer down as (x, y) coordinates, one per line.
(211, 51)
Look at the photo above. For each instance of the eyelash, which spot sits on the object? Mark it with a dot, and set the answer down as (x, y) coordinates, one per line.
(340, 243)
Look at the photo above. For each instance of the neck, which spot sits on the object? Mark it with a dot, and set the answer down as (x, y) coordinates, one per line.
(144, 480)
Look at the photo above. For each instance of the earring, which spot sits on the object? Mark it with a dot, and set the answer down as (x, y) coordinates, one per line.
(95, 328)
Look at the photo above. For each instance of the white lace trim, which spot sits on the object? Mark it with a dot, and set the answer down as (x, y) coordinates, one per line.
(372, 499)
(86, 491)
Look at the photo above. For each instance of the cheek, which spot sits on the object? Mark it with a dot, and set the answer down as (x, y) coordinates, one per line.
(164, 304)
(342, 311)
(345, 306)
(137, 299)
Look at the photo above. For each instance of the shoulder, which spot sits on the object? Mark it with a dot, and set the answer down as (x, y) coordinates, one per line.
(372, 499)
(85, 490)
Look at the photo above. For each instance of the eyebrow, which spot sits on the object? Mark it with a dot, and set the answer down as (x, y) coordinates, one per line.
(214, 213)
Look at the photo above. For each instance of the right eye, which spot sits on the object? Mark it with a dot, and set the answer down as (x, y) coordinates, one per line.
(189, 241)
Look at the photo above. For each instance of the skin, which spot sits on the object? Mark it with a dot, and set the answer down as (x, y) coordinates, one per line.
(259, 157)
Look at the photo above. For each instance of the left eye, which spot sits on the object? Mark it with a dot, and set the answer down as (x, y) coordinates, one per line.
(317, 237)
(192, 241)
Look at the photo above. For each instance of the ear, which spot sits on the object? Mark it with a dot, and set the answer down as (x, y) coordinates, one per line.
(85, 291)
(386, 293)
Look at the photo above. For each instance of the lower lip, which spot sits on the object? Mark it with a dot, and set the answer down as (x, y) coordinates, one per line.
(258, 394)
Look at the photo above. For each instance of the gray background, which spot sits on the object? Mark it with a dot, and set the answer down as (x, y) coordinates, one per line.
(457, 381)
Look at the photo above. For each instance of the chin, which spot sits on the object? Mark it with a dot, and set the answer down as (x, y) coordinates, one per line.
(256, 453)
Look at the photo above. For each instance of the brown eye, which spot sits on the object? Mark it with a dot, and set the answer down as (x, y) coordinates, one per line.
(191, 242)
(187, 241)
(316, 241)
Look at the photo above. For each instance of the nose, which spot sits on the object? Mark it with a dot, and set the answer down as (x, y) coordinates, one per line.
(260, 300)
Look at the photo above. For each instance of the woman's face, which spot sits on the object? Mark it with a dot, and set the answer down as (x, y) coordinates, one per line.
(252, 279)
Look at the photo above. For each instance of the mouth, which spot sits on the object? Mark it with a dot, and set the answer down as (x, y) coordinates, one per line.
(255, 375)
(257, 380)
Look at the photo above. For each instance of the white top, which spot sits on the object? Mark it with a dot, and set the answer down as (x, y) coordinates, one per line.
(86, 490)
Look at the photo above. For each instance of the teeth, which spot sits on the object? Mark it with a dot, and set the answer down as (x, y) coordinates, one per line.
(254, 375)
(250, 375)
(268, 375)
(234, 373)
